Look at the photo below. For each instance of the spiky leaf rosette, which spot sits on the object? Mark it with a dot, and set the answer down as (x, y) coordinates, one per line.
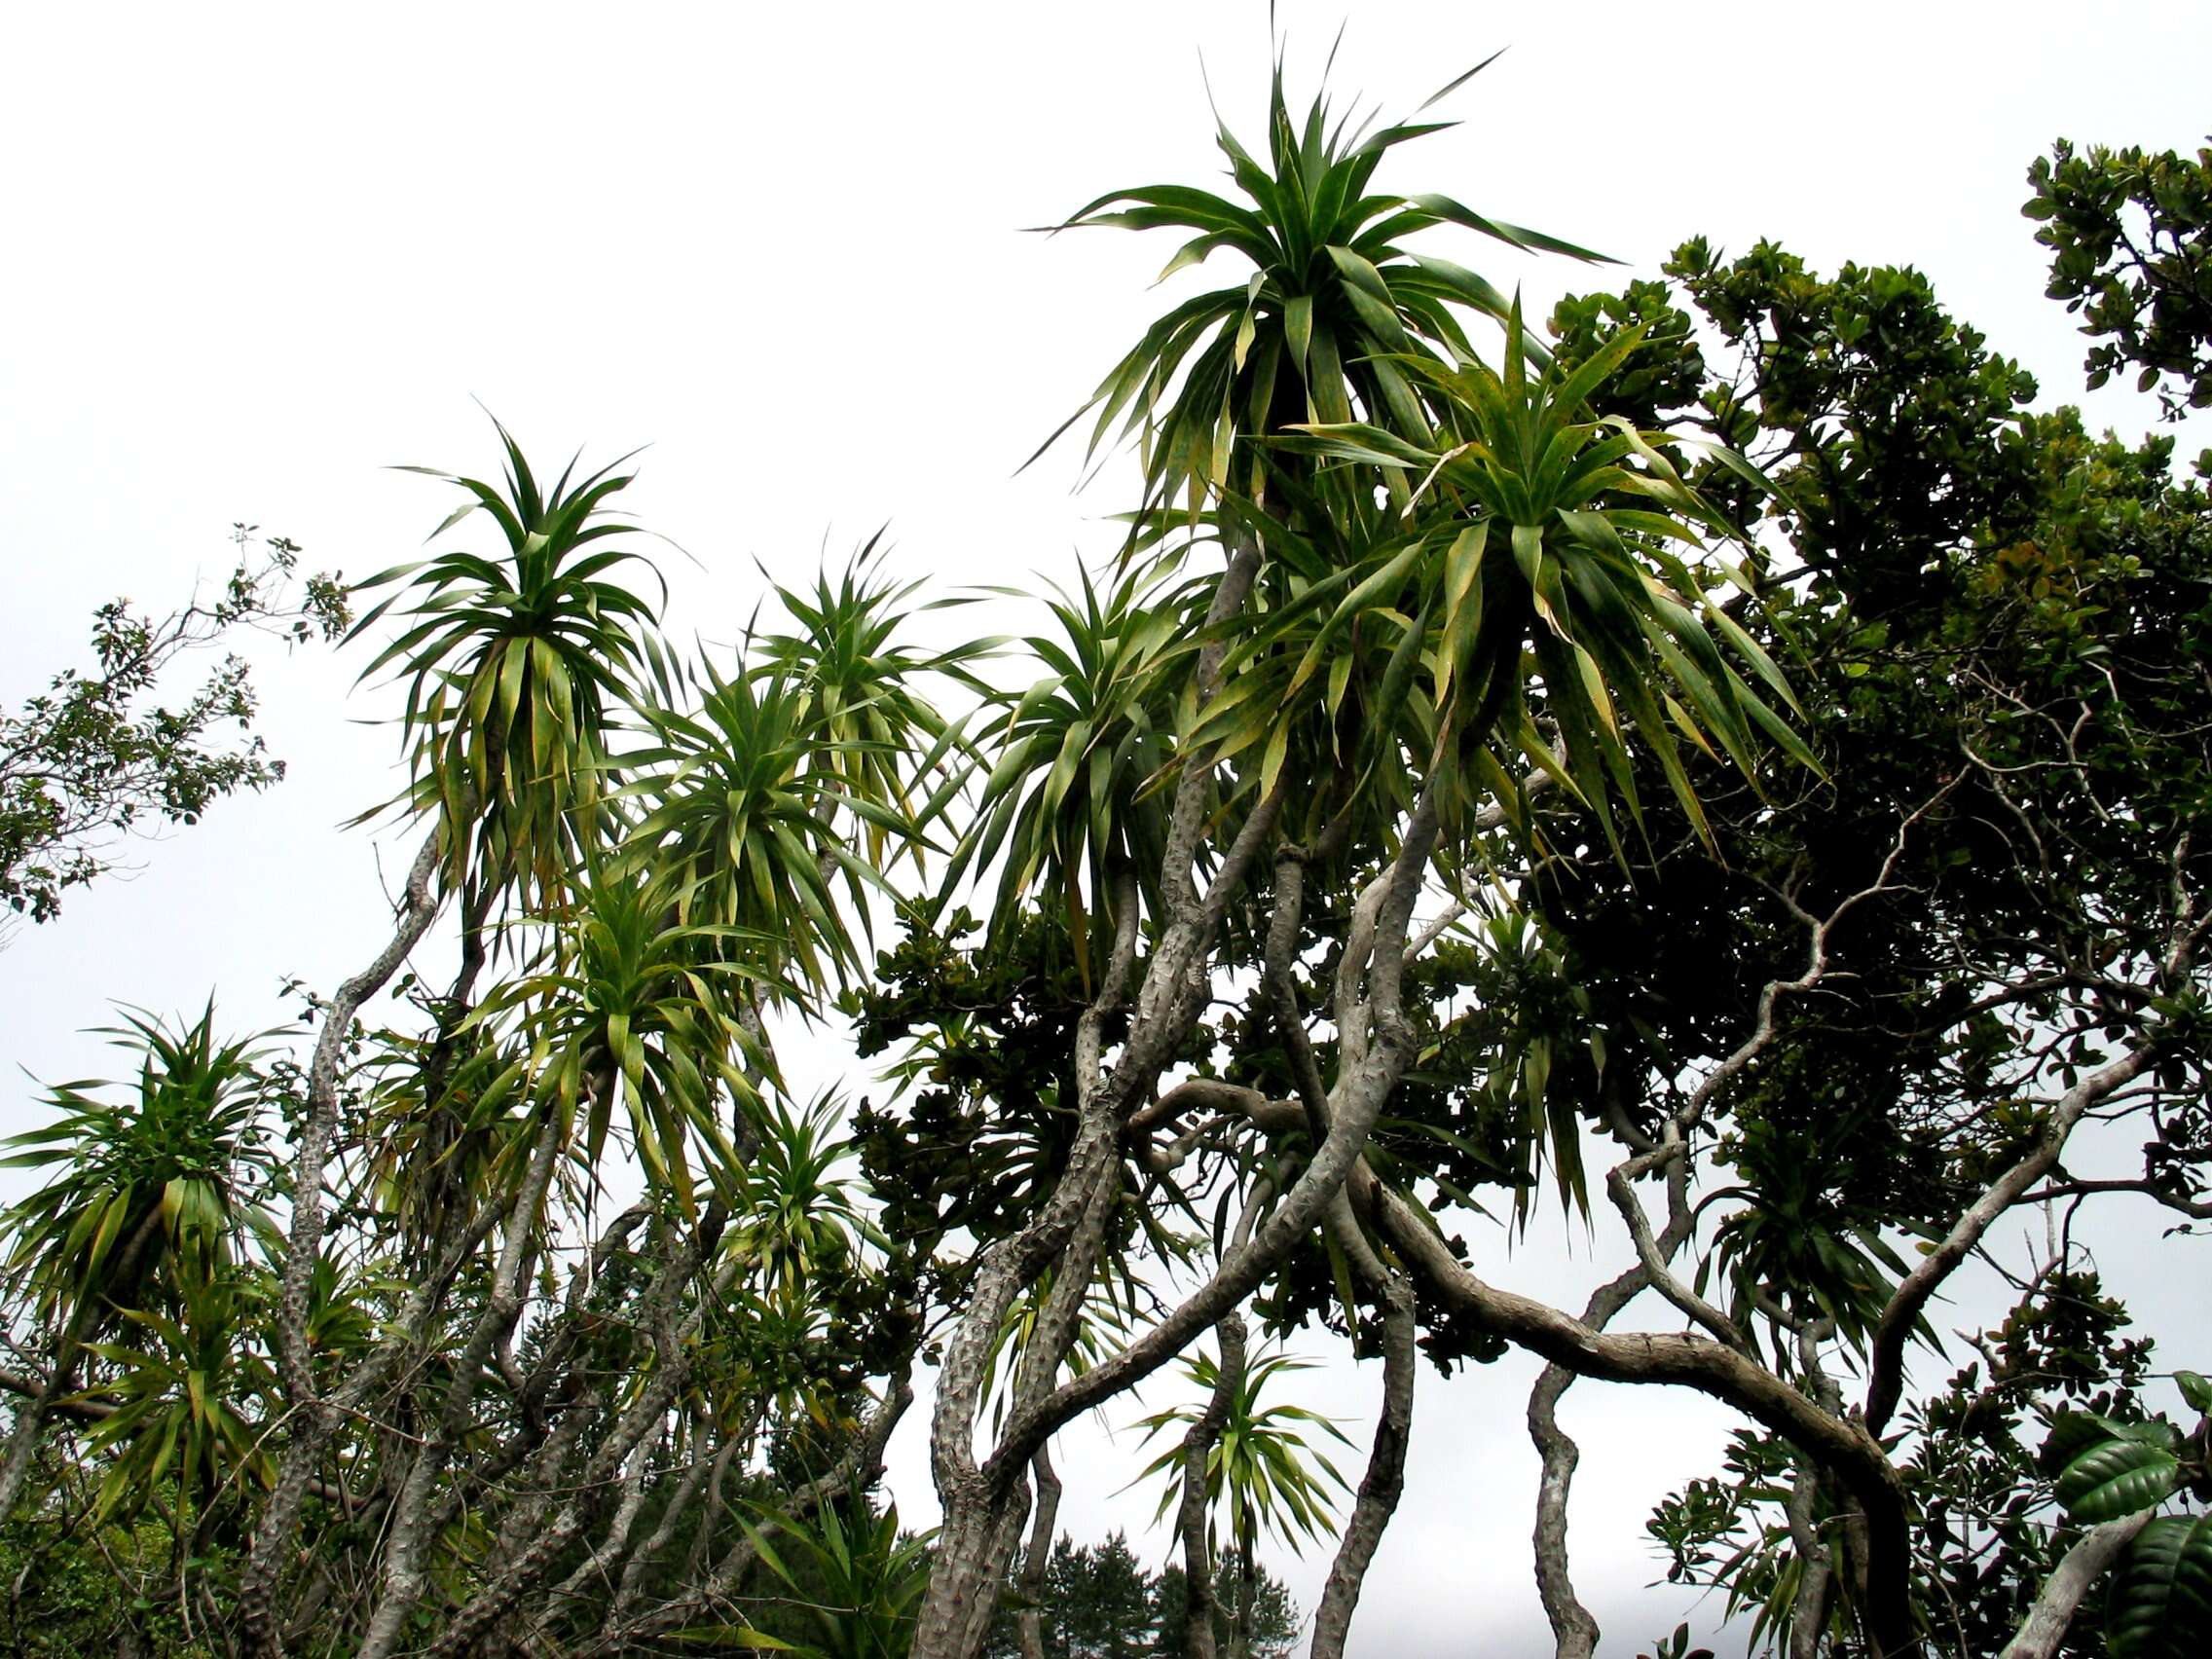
(1531, 605)
(1318, 327)
(515, 664)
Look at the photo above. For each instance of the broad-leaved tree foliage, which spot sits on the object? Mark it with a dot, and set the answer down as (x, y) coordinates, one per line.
(112, 754)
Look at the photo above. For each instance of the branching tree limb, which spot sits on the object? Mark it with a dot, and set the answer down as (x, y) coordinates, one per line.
(2062, 1594)
(1384, 1481)
(314, 1418)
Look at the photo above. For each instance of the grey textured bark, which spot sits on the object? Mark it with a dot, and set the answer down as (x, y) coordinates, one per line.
(985, 1498)
(1384, 1481)
(551, 1469)
(1191, 1508)
(601, 1561)
(2091, 1557)
(1369, 1000)
(598, 1483)
(857, 1471)
(1574, 1632)
(1357, 1101)
(716, 1477)
(535, 1445)
(404, 1579)
(313, 1421)
(1037, 1555)
(974, 1545)
(755, 1025)
(1666, 1153)
(1820, 1557)
(1698, 1362)
(980, 1528)
(673, 1516)
(980, 1501)
(1809, 1618)
(23, 1439)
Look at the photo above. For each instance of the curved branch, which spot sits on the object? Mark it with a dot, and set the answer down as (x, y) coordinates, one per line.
(405, 1574)
(1384, 1481)
(1808, 1619)
(1574, 1633)
(1191, 1508)
(1360, 1094)
(859, 1469)
(2062, 1592)
(1696, 1362)
(1656, 1270)
(1885, 1367)
(418, 908)
(260, 1636)
(598, 1482)
(1038, 1556)
(2194, 1209)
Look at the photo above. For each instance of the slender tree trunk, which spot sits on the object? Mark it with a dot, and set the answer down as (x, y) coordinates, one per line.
(1699, 1362)
(1574, 1632)
(1384, 1481)
(982, 1512)
(1037, 1555)
(404, 1576)
(2094, 1553)
(313, 1421)
(1809, 1618)
(984, 1499)
(601, 1561)
(31, 1415)
(1191, 1510)
(589, 1494)
(1247, 1588)
(706, 1596)
(664, 1532)
(711, 1516)
(1376, 1043)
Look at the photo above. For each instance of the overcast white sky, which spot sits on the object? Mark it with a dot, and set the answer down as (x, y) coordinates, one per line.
(257, 252)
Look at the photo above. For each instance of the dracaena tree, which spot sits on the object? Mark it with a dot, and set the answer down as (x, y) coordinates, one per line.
(882, 748)
(1256, 1466)
(515, 663)
(1849, 995)
(150, 1198)
(1341, 688)
(1326, 302)
(548, 1276)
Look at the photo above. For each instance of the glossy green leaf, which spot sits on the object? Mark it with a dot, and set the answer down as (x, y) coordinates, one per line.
(2116, 1477)
(2159, 1603)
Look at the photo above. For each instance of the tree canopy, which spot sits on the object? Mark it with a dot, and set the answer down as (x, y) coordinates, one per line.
(1724, 754)
(107, 755)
